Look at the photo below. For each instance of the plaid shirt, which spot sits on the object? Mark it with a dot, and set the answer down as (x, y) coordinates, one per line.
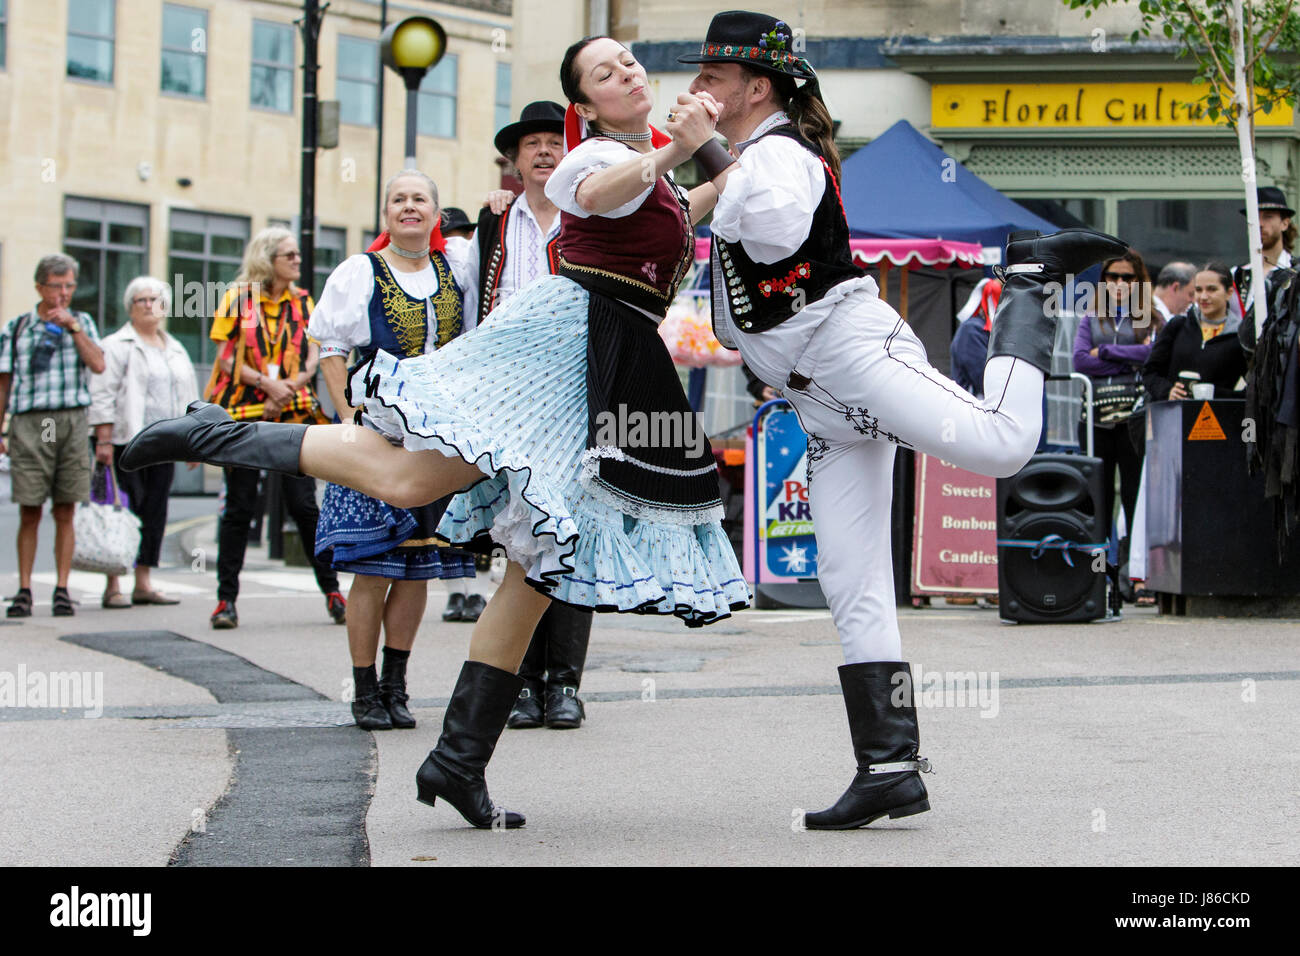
(65, 384)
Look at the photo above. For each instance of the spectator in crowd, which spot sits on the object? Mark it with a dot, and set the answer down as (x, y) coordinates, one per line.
(46, 358)
(265, 366)
(1203, 340)
(147, 377)
(1110, 347)
(970, 345)
(1173, 293)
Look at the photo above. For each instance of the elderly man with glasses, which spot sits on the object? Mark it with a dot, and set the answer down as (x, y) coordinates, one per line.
(46, 358)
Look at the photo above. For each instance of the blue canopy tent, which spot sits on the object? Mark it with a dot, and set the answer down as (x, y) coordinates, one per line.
(901, 185)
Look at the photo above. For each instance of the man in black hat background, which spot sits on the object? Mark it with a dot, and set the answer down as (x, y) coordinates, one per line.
(807, 320)
(509, 253)
(1273, 353)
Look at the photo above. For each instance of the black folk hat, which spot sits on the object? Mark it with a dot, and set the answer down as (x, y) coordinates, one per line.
(757, 40)
(1272, 198)
(453, 219)
(540, 117)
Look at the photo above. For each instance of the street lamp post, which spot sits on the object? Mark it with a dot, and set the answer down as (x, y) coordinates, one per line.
(411, 48)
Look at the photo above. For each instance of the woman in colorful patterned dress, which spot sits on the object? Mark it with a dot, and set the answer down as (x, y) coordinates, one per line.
(544, 418)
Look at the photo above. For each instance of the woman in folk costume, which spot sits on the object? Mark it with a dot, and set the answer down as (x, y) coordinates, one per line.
(517, 414)
(403, 296)
(808, 321)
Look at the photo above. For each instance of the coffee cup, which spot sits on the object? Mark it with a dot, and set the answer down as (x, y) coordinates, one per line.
(1203, 390)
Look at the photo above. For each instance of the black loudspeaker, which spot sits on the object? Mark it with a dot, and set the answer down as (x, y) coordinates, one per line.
(1049, 527)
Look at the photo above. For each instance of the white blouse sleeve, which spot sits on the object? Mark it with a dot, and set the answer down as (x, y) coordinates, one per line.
(341, 321)
(769, 199)
(462, 256)
(590, 156)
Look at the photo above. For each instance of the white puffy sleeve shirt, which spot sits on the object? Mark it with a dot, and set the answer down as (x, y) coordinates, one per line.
(590, 156)
(341, 321)
(768, 201)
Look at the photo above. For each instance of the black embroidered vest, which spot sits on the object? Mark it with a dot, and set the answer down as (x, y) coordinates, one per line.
(763, 295)
(491, 238)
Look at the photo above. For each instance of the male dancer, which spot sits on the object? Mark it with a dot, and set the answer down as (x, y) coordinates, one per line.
(510, 252)
(807, 320)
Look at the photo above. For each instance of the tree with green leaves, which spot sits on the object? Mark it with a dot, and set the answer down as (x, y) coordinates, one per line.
(1230, 40)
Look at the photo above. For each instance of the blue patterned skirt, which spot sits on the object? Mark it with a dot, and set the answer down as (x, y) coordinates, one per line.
(362, 535)
(510, 397)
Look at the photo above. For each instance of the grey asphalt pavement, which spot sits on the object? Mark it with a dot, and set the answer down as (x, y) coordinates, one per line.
(1162, 741)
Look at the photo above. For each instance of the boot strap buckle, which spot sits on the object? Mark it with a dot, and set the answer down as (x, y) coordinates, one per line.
(919, 765)
(1023, 267)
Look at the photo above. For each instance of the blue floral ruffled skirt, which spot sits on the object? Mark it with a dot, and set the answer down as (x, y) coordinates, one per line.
(510, 397)
(362, 535)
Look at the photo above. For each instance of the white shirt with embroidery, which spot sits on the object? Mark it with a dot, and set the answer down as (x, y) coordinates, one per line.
(767, 205)
(525, 245)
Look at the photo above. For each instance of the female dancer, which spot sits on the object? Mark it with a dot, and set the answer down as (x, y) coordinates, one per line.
(405, 298)
(516, 413)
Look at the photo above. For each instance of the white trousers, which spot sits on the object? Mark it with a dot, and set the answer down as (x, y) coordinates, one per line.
(869, 387)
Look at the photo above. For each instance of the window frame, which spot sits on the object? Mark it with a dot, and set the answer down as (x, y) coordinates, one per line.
(425, 96)
(290, 68)
(340, 78)
(503, 119)
(103, 246)
(207, 349)
(111, 39)
(165, 49)
(4, 36)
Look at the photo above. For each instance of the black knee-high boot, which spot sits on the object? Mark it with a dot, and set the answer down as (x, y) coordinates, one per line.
(207, 433)
(566, 656)
(454, 769)
(882, 724)
(1037, 268)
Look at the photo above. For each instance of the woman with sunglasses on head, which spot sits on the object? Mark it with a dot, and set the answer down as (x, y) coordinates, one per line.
(1110, 347)
(525, 417)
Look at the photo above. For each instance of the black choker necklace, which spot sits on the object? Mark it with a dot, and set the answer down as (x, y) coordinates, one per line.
(404, 254)
(622, 137)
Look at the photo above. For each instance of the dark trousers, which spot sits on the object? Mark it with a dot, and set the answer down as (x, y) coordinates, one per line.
(299, 497)
(558, 651)
(1118, 452)
(148, 491)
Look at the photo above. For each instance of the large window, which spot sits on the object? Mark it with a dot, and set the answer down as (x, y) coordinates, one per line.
(1191, 230)
(204, 251)
(91, 28)
(271, 85)
(502, 111)
(184, 50)
(358, 80)
(110, 241)
(438, 99)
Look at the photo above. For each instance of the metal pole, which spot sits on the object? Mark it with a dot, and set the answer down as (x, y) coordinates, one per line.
(412, 113)
(379, 148)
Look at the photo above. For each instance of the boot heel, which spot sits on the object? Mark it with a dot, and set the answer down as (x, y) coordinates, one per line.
(920, 806)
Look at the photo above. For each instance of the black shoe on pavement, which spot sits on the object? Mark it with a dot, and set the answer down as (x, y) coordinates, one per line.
(392, 689)
(455, 607)
(474, 605)
(337, 607)
(527, 712)
(20, 605)
(224, 618)
(368, 708)
(564, 710)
